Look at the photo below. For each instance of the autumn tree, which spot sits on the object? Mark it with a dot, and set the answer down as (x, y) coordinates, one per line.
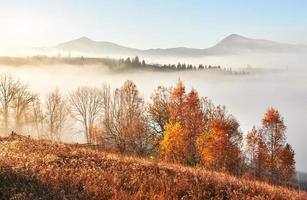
(193, 123)
(173, 146)
(86, 106)
(220, 147)
(269, 157)
(274, 131)
(257, 153)
(280, 155)
(184, 109)
(176, 103)
(287, 164)
(56, 114)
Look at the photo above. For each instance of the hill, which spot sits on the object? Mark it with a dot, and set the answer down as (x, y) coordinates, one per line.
(232, 44)
(88, 46)
(36, 169)
(236, 44)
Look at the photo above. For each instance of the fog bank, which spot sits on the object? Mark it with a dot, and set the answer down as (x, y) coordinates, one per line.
(246, 96)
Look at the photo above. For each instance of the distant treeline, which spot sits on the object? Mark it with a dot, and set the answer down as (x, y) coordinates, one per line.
(114, 64)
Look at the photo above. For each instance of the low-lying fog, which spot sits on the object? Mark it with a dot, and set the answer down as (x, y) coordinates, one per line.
(246, 96)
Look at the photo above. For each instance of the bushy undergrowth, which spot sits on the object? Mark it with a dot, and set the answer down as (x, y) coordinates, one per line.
(31, 169)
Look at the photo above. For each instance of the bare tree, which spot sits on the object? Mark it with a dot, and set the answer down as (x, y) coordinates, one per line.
(56, 114)
(112, 118)
(158, 109)
(86, 106)
(125, 123)
(20, 105)
(9, 87)
(36, 117)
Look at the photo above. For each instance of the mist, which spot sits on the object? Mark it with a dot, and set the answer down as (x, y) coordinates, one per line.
(247, 97)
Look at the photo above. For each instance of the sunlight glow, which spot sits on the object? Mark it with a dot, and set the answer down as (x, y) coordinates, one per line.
(24, 26)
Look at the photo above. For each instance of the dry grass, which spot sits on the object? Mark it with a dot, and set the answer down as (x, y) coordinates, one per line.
(32, 169)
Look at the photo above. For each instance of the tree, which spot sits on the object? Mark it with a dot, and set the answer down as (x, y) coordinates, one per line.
(143, 63)
(274, 133)
(125, 122)
(173, 147)
(20, 105)
(270, 157)
(136, 62)
(287, 164)
(86, 106)
(193, 123)
(96, 135)
(137, 136)
(158, 109)
(219, 148)
(128, 62)
(257, 153)
(56, 114)
(208, 110)
(185, 110)
(36, 117)
(176, 103)
(9, 87)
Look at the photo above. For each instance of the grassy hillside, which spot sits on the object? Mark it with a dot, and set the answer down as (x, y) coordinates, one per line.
(32, 169)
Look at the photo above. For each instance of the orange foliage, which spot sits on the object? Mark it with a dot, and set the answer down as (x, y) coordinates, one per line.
(193, 124)
(270, 157)
(192, 114)
(220, 148)
(185, 110)
(287, 163)
(257, 153)
(176, 103)
(274, 132)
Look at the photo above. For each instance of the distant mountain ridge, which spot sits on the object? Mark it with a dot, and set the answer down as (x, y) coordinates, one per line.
(87, 45)
(237, 43)
(233, 44)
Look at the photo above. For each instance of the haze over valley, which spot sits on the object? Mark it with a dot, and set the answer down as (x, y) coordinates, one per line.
(153, 99)
(278, 82)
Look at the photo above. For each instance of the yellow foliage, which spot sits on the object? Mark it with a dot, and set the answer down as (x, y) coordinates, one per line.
(173, 146)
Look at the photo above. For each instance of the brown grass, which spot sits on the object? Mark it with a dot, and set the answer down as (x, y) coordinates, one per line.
(32, 169)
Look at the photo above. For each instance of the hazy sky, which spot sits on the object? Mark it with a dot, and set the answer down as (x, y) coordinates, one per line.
(150, 23)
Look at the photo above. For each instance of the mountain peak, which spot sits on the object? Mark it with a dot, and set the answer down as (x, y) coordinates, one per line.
(84, 39)
(235, 37)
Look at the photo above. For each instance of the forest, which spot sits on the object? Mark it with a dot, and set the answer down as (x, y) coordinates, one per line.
(175, 126)
(115, 65)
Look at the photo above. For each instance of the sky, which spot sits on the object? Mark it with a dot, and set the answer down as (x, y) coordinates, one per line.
(150, 23)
